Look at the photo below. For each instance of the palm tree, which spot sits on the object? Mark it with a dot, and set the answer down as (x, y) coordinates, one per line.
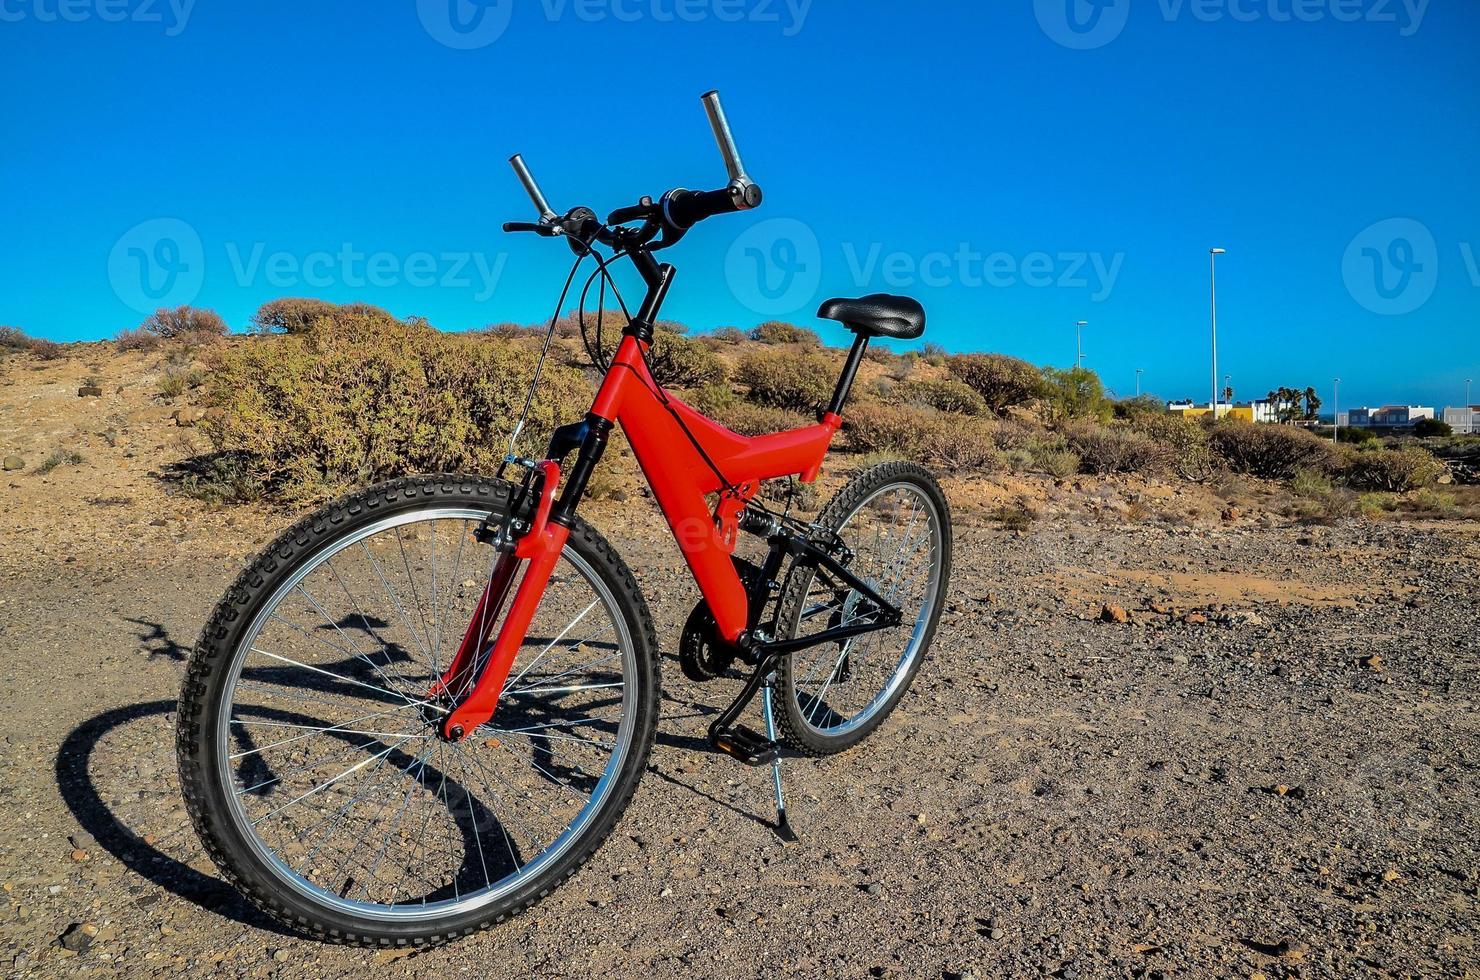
(1228, 395)
(1312, 404)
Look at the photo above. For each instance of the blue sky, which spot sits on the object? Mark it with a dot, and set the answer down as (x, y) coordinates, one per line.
(1014, 174)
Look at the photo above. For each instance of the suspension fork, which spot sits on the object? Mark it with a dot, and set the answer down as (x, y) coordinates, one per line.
(539, 548)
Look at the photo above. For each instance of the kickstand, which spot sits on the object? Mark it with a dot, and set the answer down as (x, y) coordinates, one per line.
(783, 826)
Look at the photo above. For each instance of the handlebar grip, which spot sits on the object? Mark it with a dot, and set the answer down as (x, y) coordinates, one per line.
(684, 209)
(531, 188)
(724, 136)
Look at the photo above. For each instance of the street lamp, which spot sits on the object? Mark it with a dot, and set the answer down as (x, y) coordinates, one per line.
(1079, 343)
(1140, 371)
(1467, 393)
(1335, 409)
(1213, 254)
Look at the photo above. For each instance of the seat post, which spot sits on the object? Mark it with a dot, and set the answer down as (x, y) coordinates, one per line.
(850, 369)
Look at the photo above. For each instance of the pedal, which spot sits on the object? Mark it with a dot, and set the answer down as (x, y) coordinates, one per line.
(746, 745)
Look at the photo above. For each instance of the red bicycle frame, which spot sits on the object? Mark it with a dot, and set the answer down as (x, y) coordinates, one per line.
(666, 437)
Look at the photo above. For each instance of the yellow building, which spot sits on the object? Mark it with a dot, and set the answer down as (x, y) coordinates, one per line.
(1243, 413)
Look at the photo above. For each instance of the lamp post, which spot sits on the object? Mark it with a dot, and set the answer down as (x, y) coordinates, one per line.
(1213, 254)
(1335, 409)
(1467, 393)
(1079, 343)
(1139, 371)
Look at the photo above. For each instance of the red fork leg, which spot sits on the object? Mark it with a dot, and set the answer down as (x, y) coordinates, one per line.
(478, 707)
(456, 679)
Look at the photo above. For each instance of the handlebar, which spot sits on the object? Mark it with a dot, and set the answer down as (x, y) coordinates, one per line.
(679, 209)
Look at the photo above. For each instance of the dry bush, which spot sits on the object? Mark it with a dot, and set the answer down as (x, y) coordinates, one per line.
(1104, 449)
(947, 438)
(1010, 434)
(14, 338)
(1003, 382)
(47, 350)
(943, 394)
(1271, 452)
(726, 336)
(779, 332)
(1391, 470)
(880, 355)
(729, 409)
(684, 362)
(291, 315)
(364, 396)
(187, 324)
(128, 340)
(1192, 457)
(801, 381)
(1316, 499)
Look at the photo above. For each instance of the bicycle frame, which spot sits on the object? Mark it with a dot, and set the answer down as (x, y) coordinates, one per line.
(681, 480)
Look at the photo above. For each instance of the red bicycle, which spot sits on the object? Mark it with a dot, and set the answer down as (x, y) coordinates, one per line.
(423, 707)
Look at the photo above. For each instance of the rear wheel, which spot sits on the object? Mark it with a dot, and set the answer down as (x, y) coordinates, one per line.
(306, 736)
(895, 519)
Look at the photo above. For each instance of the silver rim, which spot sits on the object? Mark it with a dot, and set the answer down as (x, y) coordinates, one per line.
(895, 533)
(334, 775)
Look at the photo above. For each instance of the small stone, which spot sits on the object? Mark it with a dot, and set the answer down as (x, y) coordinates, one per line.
(13, 463)
(79, 855)
(90, 391)
(1391, 874)
(186, 418)
(995, 934)
(1195, 619)
(874, 888)
(1372, 662)
(76, 937)
(1114, 614)
(280, 955)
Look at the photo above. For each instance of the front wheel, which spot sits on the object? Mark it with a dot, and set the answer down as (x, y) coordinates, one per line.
(307, 731)
(895, 519)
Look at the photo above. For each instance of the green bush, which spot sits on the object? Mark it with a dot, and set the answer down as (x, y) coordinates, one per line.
(1104, 449)
(1392, 470)
(683, 362)
(1271, 452)
(187, 324)
(1003, 382)
(779, 332)
(1133, 408)
(1073, 394)
(365, 396)
(727, 336)
(1356, 435)
(177, 380)
(794, 380)
(944, 394)
(1431, 428)
(291, 315)
(729, 409)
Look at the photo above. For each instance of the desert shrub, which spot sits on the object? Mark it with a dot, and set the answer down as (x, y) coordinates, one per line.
(1058, 463)
(1010, 433)
(1018, 515)
(1356, 435)
(1106, 449)
(190, 324)
(291, 314)
(14, 338)
(729, 409)
(1187, 438)
(727, 336)
(683, 362)
(799, 381)
(934, 354)
(1317, 499)
(1271, 452)
(902, 366)
(945, 394)
(59, 457)
(1392, 470)
(1075, 393)
(946, 438)
(1374, 505)
(177, 380)
(1431, 428)
(128, 340)
(1003, 382)
(1434, 503)
(222, 478)
(47, 350)
(1131, 408)
(779, 332)
(880, 355)
(364, 396)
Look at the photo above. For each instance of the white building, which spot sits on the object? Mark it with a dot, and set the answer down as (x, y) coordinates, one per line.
(1465, 421)
(1386, 417)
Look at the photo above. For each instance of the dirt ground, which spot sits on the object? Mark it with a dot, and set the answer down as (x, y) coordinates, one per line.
(1269, 769)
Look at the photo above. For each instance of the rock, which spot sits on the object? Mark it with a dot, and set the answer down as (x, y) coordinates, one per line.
(280, 955)
(1372, 662)
(186, 418)
(1195, 619)
(1231, 514)
(78, 936)
(1114, 614)
(13, 463)
(90, 391)
(874, 888)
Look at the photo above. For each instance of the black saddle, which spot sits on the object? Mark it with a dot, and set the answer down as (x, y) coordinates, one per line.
(878, 315)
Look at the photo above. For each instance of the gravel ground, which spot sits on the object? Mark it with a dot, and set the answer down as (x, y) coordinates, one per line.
(1268, 769)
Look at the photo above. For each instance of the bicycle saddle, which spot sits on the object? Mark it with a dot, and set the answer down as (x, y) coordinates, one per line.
(877, 315)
